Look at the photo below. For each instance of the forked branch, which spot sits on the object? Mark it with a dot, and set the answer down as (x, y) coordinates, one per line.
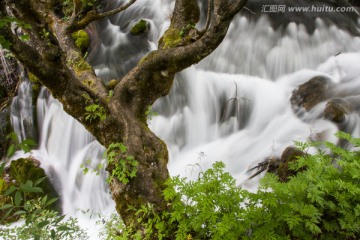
(94, 16)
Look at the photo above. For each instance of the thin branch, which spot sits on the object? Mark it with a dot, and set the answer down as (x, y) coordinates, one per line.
(74, 11)
(94, 16)
(238, 5)
(249, 10)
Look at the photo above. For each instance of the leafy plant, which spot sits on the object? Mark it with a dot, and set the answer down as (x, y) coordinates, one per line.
(40, 223)
(95, 112)
(124, 166)
(8, 20)
(88, 166)
(15, 145)
(322, 201)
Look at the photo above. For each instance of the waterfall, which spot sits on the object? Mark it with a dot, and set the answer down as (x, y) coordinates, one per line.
(234, 106)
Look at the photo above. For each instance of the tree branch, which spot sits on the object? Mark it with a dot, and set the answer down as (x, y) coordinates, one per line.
(152, 77)
(94, 16)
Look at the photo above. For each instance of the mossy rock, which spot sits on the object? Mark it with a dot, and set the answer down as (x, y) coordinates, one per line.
(82, 40)
(19, 172)
(111, 84)
(139, 28)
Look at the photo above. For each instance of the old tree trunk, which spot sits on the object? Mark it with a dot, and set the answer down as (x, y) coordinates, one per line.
(51, 54)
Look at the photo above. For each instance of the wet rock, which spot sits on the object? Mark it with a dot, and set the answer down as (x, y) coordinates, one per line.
(280, 166)
(336, 110)
(311, 93)
(290, 154)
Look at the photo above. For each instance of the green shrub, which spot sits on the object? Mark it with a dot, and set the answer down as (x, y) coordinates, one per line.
(39, 220)
(322, 201)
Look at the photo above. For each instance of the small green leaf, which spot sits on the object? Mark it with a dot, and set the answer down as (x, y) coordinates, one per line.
(43, 223)
(20, 212)
(40, 180)
(18, 198)
(53, 234)
(8, 213)
(10, 191)
(6, 206)
(11, 151)
(2, 168)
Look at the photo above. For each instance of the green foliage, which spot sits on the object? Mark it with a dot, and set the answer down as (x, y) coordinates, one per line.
(150, 113)
(87, 166)
(8, 20)
(123, 166)
(67, 7)
(95, 112)
(322, 201)
(112, 227)
(186, 29)
(40, 223)
(15, 145)
(88, 3)
(209, 207)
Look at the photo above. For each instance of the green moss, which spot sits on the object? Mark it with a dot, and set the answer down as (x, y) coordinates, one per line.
(112, 84)
(89, 82)
(171, 38)
(33, 78)
(36, 86)
(81, 39)
(139, 28)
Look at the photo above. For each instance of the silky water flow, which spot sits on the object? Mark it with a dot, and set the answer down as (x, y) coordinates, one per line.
(234, 106)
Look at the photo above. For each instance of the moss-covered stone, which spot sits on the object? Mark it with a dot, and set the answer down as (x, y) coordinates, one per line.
(139, 28)
(111, 84)
(82, 40)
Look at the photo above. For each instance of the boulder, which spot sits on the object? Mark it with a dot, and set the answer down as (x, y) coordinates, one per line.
(311, 93)
(336, 110)
(290, 154)
(279, 166)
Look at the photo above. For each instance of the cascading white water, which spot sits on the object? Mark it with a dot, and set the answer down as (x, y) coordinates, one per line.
(234, 106)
